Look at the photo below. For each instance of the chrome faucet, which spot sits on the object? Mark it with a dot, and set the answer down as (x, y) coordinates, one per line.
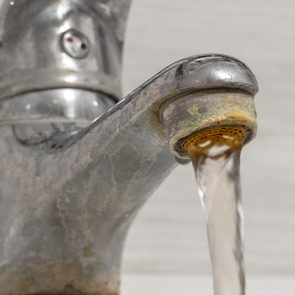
(77, 161)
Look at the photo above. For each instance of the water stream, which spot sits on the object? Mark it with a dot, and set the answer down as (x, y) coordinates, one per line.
(218, 182)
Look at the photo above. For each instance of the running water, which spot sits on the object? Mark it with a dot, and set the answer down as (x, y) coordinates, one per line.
(218, 181)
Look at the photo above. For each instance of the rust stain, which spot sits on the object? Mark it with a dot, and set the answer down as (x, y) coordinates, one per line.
(193, 110)
(88, 251)
(202, 142)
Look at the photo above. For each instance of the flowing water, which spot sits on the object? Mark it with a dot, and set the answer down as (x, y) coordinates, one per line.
(218, 180)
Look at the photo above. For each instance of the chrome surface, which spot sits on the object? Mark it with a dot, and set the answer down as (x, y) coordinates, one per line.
(45, 114)
(70, 188)
(31, 57)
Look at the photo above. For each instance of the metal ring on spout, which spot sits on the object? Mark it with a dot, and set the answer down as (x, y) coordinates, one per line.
(220, 101)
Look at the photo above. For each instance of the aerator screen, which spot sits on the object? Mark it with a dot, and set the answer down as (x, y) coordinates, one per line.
(203, 141)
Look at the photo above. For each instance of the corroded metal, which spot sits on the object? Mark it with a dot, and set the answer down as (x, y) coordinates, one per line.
(67, 204)
(221, 110)
(71, 188)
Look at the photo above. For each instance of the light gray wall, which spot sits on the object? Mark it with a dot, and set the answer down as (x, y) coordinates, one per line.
(169, 234)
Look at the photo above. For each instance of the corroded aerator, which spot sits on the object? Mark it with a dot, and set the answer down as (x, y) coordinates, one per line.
(220, 117)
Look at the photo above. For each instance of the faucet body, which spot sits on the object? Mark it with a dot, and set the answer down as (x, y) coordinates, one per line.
(71, 184)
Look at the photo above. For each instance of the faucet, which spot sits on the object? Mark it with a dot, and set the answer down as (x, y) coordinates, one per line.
(77, 162)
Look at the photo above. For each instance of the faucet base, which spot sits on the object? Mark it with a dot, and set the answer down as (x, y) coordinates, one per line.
(56, 278)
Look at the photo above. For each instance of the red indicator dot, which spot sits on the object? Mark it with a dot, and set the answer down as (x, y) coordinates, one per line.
(70, 39)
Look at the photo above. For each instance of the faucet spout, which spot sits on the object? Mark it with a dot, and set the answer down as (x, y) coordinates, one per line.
(66, 220)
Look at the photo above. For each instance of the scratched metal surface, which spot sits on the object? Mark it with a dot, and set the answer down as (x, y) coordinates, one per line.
(169, 234)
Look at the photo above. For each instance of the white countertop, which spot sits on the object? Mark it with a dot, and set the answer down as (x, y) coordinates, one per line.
(190, 285)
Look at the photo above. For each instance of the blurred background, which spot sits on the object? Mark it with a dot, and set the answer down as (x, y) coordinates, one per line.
(168, 238)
